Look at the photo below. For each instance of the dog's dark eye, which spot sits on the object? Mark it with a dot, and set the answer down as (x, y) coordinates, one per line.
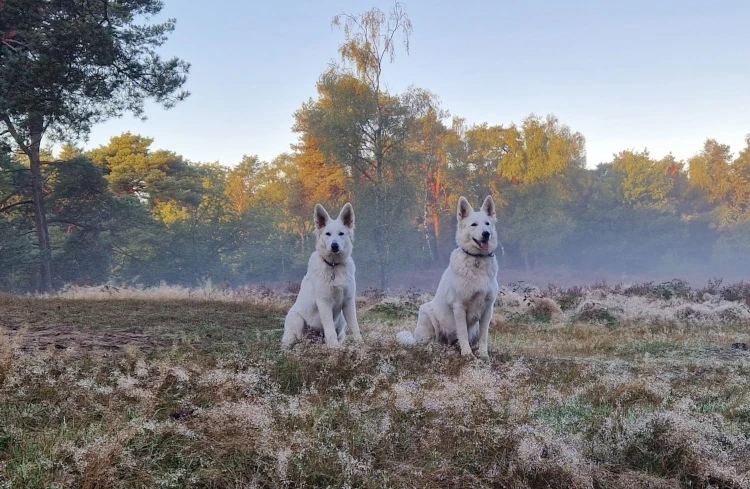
(487, 223)
(474, 224)
(341, 234)
(328, 234)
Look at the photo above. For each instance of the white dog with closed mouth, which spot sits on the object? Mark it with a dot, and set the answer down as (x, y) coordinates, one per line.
(462, 307)
(326, 299)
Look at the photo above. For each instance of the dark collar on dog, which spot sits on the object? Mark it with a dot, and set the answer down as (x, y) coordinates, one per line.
(329, 263)
(478, 256)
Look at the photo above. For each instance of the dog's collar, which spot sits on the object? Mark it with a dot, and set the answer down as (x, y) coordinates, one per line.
(329, 263)
(478, 256)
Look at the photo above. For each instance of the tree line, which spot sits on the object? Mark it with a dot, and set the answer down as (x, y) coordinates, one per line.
(127, 212)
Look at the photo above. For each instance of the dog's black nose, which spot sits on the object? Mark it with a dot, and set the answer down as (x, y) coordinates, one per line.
(334, 247)
(485, 235)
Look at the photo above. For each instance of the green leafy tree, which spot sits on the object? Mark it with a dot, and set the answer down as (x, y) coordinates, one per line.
(540, 149)
(611, 234)
(65, 66)
(169, 184)
(243, 183)
(139, 243)
(732, 249)
(80, 211)
(427, 146)
(537, 221)
(646, 181)
(201, 231)
(738, 200)
(709, 170)
(17, 254)
(474, 154)
(356, 122)
(69, 151)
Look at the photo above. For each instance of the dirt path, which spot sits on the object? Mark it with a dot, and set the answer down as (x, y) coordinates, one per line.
(65, 336)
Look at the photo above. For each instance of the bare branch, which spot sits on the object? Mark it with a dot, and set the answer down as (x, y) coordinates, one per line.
(122, 252)
(15, 204)
(12, 130)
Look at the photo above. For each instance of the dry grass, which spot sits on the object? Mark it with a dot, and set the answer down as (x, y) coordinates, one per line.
(178, 388)
(256, 294)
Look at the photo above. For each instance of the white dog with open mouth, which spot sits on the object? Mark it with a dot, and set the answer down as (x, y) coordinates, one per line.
(326, 300)
(461, 310)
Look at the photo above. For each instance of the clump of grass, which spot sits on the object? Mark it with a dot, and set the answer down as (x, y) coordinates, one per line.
(526, 303)
(545, 309)
(739, 292)
(713, 287)
(6, 360)
(373, 293)
(673, 289)
(571, 416)
(690, 449)
(627, 395)
(395, 311)
(567, 298)
(592, 312)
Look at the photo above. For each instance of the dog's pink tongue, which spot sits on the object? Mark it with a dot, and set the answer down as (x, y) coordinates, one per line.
(484, 246)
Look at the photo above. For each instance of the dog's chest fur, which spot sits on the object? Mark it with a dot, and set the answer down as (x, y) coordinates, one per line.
(476, 285)
(335, 283)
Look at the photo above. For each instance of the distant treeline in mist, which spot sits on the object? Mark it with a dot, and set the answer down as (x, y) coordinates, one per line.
(129, 213)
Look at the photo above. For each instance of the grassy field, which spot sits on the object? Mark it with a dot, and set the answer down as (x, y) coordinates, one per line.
(600, 387)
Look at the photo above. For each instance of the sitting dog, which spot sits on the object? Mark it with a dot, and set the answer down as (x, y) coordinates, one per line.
(462, 307)
(326, 300)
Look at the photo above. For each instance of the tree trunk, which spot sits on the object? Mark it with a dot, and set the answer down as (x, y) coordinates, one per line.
(435, 218)
(40, 216)
(381, 241)
(434, 199)
(32, 149)
(425, 220)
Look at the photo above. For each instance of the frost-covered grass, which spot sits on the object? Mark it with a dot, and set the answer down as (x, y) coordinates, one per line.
(620, 387)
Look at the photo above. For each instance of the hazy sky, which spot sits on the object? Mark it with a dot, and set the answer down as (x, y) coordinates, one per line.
(662, 75)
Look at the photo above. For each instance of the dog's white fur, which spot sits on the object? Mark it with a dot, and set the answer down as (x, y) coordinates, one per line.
(462, 307)
(326, 299)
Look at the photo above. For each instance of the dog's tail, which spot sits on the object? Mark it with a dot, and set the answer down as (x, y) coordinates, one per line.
(406, 338)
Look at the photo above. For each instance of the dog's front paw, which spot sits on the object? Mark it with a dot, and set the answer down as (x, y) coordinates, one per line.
(333, 344)
(357, 338)
(483, 356)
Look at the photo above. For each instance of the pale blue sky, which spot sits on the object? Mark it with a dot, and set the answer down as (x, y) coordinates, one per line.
(662, 75)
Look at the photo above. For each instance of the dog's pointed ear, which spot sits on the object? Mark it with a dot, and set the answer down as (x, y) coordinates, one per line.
(489, 206)
(347, 215)
(320, 216)
(464, 208)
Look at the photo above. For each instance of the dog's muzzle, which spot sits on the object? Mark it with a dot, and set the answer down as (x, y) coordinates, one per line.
(484, 243)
